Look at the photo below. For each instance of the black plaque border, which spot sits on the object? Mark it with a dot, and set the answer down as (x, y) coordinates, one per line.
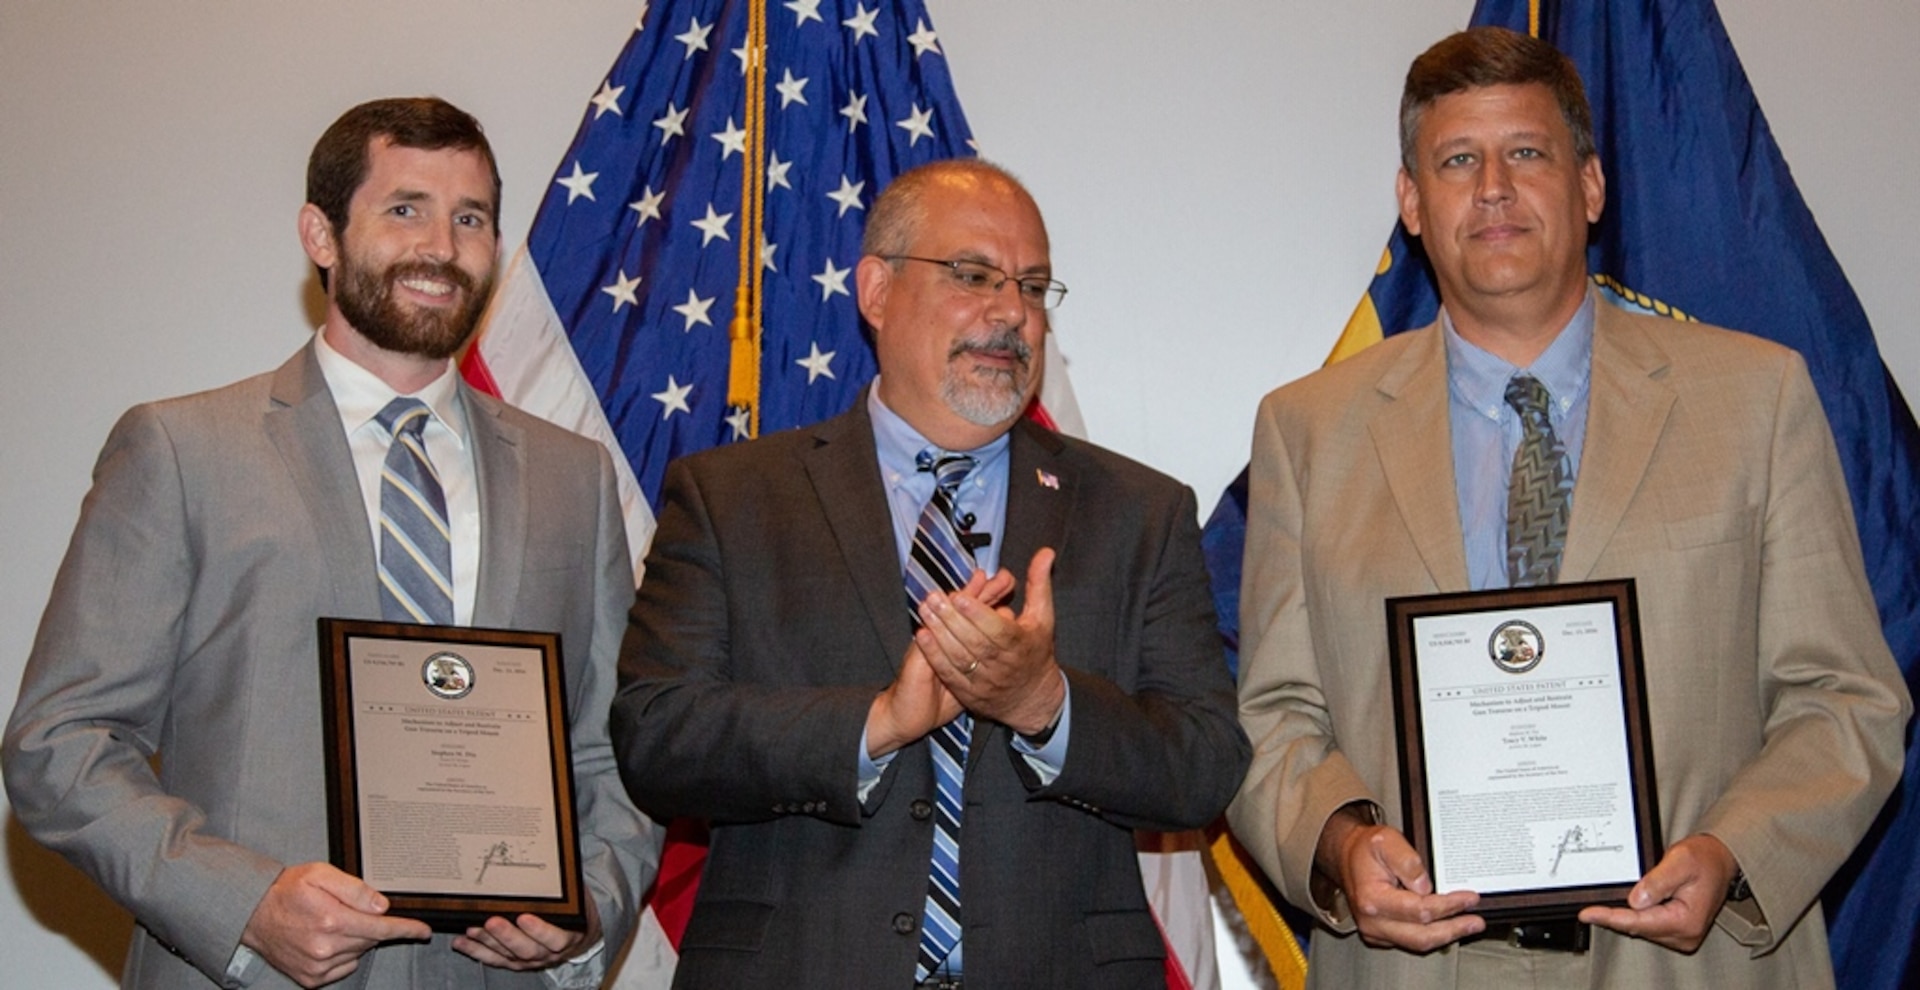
(453, 913)
(1547, 903)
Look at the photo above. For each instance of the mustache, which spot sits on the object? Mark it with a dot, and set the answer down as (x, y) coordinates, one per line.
(444, 271)
(1003, 341)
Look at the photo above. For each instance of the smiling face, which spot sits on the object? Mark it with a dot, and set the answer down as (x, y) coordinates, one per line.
(1502, 203)
(412, 271)
(960, 367)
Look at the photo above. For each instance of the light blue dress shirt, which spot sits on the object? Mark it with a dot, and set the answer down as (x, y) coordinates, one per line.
(1486, 431)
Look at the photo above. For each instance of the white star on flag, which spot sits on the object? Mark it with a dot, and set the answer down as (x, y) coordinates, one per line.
(848, 195)
(672, 124)
(833, 280)
(674, 399)
(766, 255)
(733, 139)
(777, 172)
(817, 364)
(648, 205)
(924, 40)
(791, 90)
(622, 290)
(804, 11)
(607, 100)
(640, 22)
(695, 38)
(855, 111)
(714, 225)
(739, 419)
(919, 123)
(862, 22)
(578, 184)
(743, 53)
(695, 310)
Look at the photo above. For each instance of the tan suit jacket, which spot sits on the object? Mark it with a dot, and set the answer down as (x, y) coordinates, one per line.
(219, 527)
(1709, 475)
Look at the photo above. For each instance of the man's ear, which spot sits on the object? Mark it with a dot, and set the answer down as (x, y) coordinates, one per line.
(317, 237)
(1409, 195)
(872, 280)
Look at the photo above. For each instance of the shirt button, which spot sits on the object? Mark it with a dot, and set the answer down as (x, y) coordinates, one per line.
(903, 923)
(922, 810)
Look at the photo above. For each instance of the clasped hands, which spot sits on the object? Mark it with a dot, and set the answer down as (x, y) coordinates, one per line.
(972, 652)
(1394, 903)
(316, 921)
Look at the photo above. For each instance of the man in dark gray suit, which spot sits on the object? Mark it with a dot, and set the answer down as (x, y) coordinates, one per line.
(221, 525)
(825, 620)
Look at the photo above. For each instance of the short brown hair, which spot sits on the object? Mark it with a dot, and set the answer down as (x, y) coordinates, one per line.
(1493, 56)
(338, 164)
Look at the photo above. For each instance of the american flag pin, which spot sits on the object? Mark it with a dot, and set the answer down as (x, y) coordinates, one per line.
(1046, 479)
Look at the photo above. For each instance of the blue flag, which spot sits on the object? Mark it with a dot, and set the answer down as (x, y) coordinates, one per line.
(1703, 221)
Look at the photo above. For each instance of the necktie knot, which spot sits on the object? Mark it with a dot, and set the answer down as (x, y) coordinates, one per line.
(404, 416)
(1527, 396)
(948, 470)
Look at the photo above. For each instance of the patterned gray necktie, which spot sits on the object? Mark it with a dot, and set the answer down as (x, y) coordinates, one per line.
(416, 547)
(939, 560)
(1540, 494)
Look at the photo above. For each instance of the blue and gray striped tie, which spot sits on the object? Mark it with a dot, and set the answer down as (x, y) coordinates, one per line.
(416, 548)
(939, 560)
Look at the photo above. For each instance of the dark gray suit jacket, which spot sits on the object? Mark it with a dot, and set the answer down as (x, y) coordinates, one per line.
(219, 527)
(771, 615)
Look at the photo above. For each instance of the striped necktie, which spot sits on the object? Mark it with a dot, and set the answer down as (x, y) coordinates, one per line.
(939, 560)
(416, 549)
(1540, 493)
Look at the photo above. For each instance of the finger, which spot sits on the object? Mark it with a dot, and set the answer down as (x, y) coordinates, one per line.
(1420, 936)
(1039, 607)
(996, 589)
(549, 936)
(1394, 852)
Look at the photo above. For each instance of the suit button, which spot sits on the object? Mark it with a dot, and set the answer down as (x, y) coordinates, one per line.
(922, 810)
(903, 923)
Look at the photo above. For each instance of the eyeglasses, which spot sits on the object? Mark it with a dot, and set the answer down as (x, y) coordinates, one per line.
(981, 279)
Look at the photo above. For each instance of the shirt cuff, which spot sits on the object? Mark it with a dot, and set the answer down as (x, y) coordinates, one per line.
(870, 770)
(582, 972)
(1047, 759)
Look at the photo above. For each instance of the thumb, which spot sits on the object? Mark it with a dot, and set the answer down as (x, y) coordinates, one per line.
(1039, 608)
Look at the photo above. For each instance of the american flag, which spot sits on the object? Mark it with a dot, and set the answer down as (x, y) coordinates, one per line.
(633, 258)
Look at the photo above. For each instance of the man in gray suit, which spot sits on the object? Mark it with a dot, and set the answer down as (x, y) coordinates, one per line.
(794, 671)
(1694, 460)
(167, 738)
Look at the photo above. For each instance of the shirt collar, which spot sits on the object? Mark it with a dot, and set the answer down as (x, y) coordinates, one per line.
(900, 444)
(1479, 378)
(359, 394)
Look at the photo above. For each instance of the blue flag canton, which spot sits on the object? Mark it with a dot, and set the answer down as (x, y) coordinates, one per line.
(638, 238)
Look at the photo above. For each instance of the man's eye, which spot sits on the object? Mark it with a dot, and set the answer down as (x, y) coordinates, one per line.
(1527, 153)
(972, 278)
(404, 210)
(474, 220)
(1456, 160)
(1034, 290)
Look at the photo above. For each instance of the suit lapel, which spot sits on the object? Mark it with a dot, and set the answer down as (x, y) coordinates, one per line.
(1412, 437)
(500, 476)
(1627, 409)
(844, 469)
(303, 424)
(1040, 490)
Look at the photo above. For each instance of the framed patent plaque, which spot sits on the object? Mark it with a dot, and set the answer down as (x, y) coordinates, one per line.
(1526, 769)
(449, 787)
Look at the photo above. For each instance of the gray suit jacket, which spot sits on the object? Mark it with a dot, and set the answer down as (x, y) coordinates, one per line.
(167, 738)
(1709, 475)
(772, 614)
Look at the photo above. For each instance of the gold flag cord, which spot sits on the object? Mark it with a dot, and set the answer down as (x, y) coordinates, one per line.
(1269, 931)
(743, 376)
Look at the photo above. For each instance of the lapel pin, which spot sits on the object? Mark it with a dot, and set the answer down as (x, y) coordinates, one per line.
(1046, 479)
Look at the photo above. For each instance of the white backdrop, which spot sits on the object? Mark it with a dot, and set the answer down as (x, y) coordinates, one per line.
(1216, 175)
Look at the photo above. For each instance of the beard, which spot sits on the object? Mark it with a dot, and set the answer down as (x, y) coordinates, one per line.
(988, 396)
(365, 298)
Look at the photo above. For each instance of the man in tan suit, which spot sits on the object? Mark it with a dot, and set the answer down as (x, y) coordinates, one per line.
(1698, 462)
